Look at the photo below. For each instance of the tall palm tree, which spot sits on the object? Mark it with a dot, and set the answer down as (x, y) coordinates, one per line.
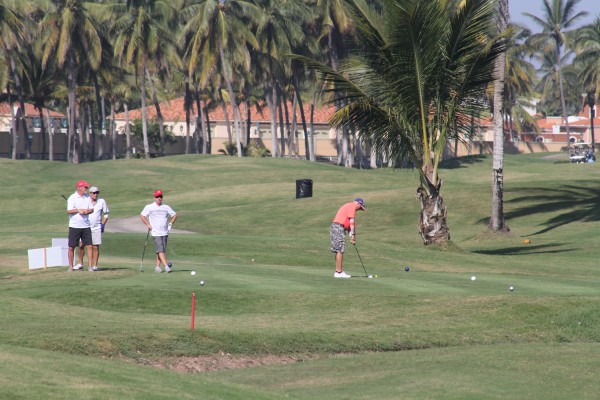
(72, 39)
(588, 55)
(216, 35)
(497, 222)
(13, 32)
(519, 82)
(279, 32)
(419, 69)
(557, 20)
(139, 31)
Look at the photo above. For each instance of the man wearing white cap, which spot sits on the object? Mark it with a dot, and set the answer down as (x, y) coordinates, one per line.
(98, 219)
(79, 207)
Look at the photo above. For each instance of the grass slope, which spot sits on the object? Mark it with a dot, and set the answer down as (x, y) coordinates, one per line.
(427, 333)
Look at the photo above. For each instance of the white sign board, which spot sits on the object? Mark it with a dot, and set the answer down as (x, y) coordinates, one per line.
(48, 257)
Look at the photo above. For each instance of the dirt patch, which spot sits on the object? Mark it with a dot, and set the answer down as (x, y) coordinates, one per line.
(220, 362)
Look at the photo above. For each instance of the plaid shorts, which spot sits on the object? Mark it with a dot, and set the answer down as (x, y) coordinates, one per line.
(337, 234)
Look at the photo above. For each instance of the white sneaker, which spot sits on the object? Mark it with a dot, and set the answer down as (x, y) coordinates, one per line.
(167, 268)
(157, 270)
(77, 266)
(95, 268)
(341, 275)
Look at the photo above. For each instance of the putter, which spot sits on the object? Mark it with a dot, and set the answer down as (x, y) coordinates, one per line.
(361, 261)
(144, 252)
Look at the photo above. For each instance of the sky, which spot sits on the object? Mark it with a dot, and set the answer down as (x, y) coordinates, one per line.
(516, 9)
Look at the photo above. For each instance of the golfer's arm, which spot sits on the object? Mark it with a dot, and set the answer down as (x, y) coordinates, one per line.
(145, 221)
(173, 219)
(352, 231)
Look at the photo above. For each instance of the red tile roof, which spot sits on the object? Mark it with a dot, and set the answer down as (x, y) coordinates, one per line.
(173, 111)
(30, 110)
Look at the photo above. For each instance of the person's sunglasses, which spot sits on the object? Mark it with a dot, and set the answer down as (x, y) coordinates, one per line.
(156, 197)
(94, 192)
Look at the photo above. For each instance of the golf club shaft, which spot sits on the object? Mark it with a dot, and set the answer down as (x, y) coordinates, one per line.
(361, 261)
(144, 252)
(63, 196)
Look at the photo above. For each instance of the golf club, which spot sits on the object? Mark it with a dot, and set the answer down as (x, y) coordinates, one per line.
(63, 196)
(144, 252)
(361, 261)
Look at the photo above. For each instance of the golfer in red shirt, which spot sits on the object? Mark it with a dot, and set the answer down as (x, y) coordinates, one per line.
(342, 223)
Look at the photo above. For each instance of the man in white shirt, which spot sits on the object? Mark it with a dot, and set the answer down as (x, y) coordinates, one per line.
(156, 218)
(98, 219)
(79, 207)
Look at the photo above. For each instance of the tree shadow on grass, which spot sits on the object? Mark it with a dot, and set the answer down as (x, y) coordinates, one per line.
(574, 203)
(529, 249)
(462, 162)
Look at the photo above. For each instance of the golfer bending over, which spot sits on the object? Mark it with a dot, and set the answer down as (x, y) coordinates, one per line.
(156, 217)
(342, 223)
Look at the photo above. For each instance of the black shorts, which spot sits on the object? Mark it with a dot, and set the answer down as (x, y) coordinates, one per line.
(83, 234)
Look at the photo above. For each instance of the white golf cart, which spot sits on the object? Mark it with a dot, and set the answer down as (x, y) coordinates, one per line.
(581, 153)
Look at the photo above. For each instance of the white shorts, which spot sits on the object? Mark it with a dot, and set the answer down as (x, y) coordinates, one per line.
(96, 237)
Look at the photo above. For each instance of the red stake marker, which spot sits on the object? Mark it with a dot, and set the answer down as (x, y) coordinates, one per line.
(193, 308)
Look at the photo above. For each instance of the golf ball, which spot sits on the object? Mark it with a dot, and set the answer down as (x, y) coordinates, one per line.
(376, 276)
(511, 288)
(407, 269)
(201, 283)
(193, 273)
(473, 278)
(370, 276)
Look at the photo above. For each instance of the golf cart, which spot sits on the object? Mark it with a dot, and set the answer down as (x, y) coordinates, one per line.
(582, 153)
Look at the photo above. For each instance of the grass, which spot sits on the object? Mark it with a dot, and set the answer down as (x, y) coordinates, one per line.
(427, 333)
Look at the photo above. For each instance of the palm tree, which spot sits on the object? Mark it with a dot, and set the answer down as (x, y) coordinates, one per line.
(216, 35)
(419, 69)
(279, 32)
(12, 33)
(588, 55)
(558, 17)
(139, 32)
(72, 39)
(519, 82)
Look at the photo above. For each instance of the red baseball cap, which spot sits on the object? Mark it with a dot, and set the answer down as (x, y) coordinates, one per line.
(157, 193)
(82, 183)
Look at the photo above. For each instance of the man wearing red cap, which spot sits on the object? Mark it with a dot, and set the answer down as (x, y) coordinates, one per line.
(342, 223)
(156, 217)
(79, 206)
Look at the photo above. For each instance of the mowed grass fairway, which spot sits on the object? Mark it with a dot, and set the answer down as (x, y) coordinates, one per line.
(271, 303)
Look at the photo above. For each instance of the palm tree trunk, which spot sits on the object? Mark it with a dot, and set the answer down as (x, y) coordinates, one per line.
(113, 132)
(127, 132)
(159, 115)
(271, 103)
(313, 154)
(497, 215)
(13, 124)
(433, 226)
(72, 128)
(50, 136)
(144, 115)
(226, 115)
(187, 104)
(232, 100)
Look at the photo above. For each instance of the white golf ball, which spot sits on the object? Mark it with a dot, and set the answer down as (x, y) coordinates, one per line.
(473, 278)
(253, 260)
(201, 283)
(511, 288)
(370, 276)
(193, 273)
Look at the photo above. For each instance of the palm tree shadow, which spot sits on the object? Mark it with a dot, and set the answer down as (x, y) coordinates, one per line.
(522, 250)
(462, 162)
(574, 203)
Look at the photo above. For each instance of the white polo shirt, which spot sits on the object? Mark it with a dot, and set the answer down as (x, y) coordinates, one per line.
(82, 202)
(158, 216)
(100, 209)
